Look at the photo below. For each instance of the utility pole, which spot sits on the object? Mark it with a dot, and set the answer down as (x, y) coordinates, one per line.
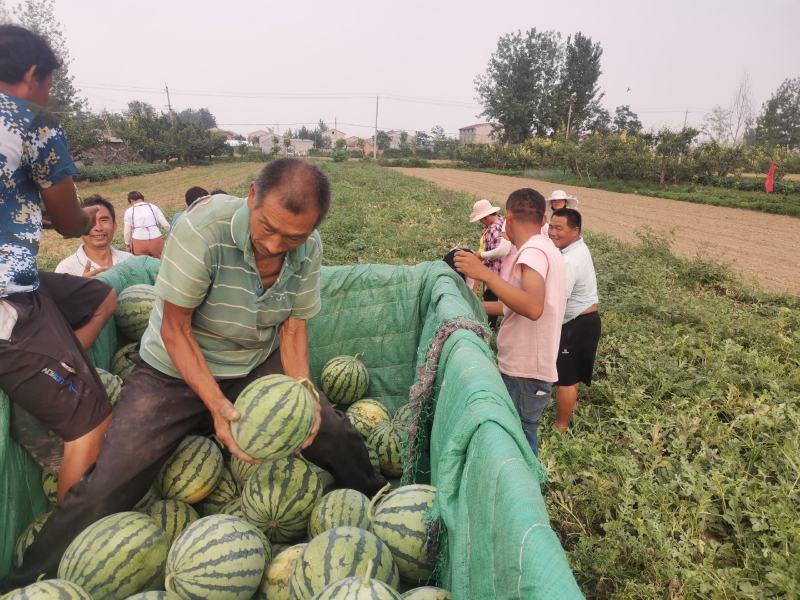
(169, 105)
(685, 117)
(375, 145)
(569, 114)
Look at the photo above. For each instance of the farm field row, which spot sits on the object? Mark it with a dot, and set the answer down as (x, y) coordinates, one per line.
(679, 477)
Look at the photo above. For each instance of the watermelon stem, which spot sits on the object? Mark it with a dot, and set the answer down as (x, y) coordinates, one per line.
(367, 574)
(374, 502)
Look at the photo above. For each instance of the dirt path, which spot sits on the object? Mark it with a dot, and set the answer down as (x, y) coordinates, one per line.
(756, 245)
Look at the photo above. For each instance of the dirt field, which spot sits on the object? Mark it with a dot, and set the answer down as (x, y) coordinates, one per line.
(756, 245)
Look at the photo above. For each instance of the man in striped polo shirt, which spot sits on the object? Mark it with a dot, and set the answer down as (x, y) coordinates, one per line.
(238, 281)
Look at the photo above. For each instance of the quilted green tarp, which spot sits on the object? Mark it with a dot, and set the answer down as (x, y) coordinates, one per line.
(415, 326)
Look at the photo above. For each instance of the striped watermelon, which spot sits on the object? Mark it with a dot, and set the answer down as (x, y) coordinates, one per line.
(150, 496)
(366, 414)
(193, 470)
(225, 491)
(134, 304)
(233, 508)
(325, 477)
(220, 557)
(27, 536)
(388, 440)
(339, 508)
(50, 486)
(358, 588)
(373, 457)
(49, 589)
(399, 521)
(159, 595)
(121, 365)
(241, 471)
(112, 384)
(275, 584)
(277, 414)
(117, 556)
(404, 416)
(279, 496)
(427, 593)
(173, 516)
(344, 379)
(338, 553)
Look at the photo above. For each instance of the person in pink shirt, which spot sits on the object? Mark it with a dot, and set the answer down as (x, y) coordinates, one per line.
(532, 299)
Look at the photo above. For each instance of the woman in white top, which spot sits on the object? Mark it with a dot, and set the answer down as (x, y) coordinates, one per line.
(142, 234)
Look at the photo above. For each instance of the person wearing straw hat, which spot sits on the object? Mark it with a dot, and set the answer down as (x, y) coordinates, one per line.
(559, 199)
(494, 245)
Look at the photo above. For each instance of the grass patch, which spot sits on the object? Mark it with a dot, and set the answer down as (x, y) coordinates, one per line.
(782, 204)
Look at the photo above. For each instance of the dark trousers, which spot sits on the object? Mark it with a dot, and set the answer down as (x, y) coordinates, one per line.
(490, 296)
(155, 412)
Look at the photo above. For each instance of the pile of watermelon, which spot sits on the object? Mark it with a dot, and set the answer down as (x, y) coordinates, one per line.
(213, 526)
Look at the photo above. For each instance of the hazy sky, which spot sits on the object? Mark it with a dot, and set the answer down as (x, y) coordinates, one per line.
(261, 63)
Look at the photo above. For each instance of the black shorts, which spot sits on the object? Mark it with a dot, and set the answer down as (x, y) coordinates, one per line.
(43, 368)
(578, 347)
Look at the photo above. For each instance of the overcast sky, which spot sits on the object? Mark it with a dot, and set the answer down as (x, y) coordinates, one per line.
(261, 63)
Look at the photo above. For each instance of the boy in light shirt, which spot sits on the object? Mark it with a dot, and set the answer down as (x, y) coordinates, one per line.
(532, 300)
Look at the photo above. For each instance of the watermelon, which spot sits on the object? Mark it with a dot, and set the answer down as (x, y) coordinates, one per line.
(241, 471)
(49, 589)
(399, 521)
(404, 416)
(374, 458)
(344, 379)
(358, 588)
(277, 415)
(27, 536)
(339, 508)
(388, 440)
(121, 365)
(275, 584)
(152, 595)
(225, 491)
(338, 553)
(366, 414)
(279, 496)
(134, 304)
(233, 508)
(427, 593)
(173, 516)
(324, 476)
(112, 384)
(117, 556)
(220, 557)
(150, 496)
(50, 486)
(193, 470)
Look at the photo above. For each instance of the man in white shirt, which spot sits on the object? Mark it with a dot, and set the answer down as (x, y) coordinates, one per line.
(96, 254)
(580, 331)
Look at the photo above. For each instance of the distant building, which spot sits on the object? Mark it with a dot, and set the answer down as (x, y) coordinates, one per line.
(480, 133)
(334, 135)
(297, 147)
(255, 137)
(394, 135)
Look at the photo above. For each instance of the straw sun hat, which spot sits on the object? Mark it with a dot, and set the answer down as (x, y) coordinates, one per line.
(572, 201)
(482, 208)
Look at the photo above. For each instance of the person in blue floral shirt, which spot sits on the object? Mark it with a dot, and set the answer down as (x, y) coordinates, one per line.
(47, 320)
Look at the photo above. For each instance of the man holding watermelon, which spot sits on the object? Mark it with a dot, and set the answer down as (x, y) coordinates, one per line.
(239, 279)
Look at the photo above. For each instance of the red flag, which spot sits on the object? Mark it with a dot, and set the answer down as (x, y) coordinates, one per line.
(770, 182)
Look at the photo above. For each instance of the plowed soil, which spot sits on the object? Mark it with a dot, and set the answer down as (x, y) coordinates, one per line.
(755, 245)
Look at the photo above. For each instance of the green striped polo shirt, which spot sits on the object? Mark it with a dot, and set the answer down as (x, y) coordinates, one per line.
(208, 264)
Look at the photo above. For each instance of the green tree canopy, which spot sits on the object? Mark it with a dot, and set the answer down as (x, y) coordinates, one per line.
(779, 122)
(626, 121)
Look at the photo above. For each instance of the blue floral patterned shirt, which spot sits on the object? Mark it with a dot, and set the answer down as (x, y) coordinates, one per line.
(33, 156)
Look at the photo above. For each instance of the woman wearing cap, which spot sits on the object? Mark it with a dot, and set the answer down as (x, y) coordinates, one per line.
(559, 199)
(494, 245)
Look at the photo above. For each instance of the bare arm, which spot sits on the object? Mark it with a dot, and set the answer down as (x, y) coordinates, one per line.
(493, 308)
(64, 210)
(185, 353)
(527, 301)
(293, 337)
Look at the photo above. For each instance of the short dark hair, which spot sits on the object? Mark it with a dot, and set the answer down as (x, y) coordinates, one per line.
(193, 193)
(527, 204)
(573, 217)
(297, 180)
(98, 200)
(134, 195)
(21, 49)
(217, 191)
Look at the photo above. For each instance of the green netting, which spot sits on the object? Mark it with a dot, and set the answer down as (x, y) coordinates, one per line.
(420, 334)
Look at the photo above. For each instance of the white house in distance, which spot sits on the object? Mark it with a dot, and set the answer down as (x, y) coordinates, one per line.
(297, 147)
(334, 135)
(394, 134)
(255, 137)
(480, 133)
